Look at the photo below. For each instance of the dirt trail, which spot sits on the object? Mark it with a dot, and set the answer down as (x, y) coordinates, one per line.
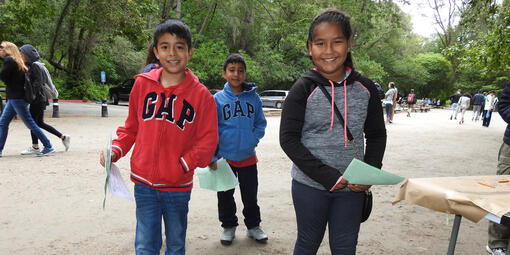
(52, 205)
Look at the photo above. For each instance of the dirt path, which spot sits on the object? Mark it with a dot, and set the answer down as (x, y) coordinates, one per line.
(52, 205)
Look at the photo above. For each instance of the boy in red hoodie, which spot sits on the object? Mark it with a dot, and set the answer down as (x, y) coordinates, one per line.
(173, 123)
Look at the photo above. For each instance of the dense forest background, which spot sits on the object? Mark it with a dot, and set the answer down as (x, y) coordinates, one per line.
(80, 38)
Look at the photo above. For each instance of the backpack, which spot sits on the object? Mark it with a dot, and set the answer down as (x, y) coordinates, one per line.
(380, 90)
(33, 90)
(410, 98)
(49, 88)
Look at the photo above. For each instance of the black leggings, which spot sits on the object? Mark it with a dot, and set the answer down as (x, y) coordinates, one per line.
(37, 112)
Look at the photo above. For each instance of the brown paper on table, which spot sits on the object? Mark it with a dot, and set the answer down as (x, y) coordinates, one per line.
(462, 195)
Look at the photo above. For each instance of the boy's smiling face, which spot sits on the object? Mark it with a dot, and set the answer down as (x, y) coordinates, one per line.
(173, 54)
(235, 74)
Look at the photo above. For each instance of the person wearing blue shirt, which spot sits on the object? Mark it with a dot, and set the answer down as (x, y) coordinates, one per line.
(241, 125)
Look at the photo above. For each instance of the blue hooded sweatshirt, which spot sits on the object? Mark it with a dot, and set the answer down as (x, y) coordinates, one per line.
(241, 122)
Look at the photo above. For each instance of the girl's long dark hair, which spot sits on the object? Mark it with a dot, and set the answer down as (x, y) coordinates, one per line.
(334, 17)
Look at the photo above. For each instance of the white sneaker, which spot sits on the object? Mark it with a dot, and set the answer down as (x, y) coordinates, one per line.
(257, 234)
(495, 251)
(30, 150)
(67, 141)
(228, 235)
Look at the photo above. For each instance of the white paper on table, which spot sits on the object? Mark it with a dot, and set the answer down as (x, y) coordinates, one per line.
(116, 185)
(493, 218)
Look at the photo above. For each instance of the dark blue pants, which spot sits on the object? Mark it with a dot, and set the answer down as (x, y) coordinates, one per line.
(37, 112)
(340, 211)
(248, 183)
(486, 120)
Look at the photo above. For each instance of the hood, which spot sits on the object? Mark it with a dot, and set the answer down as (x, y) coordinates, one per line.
(318, 78)
(248, 87)
(30, 53)
(190, 81)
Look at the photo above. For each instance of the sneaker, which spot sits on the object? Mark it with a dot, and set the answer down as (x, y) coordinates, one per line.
(46, 151)
(228, 235)
(67, 141)
(257, 234)
(495, 251)
(30, 150)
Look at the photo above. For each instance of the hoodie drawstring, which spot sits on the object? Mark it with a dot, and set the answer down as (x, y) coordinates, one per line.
(333, 109)
(332, 106)
(345, 113)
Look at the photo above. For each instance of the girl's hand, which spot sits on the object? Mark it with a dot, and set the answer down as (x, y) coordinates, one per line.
(213, 165)
(102, 160)
(342, 184)
(359, 187)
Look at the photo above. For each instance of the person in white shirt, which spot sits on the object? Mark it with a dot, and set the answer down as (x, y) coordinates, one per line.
(489, 107)
(463, 104)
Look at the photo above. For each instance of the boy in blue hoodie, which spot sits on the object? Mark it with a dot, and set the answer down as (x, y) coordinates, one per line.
(241, 125)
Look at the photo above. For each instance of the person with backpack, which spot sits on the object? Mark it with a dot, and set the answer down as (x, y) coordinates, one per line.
(13, 74)
(380, 90)
(411, 100)
(39, 75)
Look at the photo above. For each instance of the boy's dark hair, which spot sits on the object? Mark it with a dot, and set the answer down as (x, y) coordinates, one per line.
(175, 27)
(334, 17)
(233, 58)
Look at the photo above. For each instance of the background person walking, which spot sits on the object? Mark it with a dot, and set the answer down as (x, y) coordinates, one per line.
(463, 104)
(31, 56)
(488, 108)
(455, 100)
(389, 100)
(478, 99)
(13, 75)
(411, 100)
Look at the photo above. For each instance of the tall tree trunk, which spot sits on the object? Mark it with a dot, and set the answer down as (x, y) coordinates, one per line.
(178, 9)
(167, 7)
(447, 38)
(151, 16)
(209, 16)
(246, 25)
(56, 34)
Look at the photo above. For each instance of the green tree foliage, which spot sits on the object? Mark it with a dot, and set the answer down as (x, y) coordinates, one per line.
(80, 38)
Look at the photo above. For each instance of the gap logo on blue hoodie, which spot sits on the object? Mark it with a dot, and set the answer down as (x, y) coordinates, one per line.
(241, 122)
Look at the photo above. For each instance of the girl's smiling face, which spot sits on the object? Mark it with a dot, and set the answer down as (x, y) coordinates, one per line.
(328, 49)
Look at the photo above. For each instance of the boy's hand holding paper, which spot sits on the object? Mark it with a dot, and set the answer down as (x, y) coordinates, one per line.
(221, 179)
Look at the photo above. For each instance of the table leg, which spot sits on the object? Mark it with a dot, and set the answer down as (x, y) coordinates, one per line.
(455, 233)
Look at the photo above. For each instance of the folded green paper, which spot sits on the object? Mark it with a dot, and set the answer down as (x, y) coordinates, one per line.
(359, 172)
(221, 179)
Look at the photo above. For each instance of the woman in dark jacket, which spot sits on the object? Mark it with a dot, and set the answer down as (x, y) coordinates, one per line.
(13, 75)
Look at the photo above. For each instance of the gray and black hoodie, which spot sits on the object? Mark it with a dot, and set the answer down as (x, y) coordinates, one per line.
(35, 72)
(314, 139)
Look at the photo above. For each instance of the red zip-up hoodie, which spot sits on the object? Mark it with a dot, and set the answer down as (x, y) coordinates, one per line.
(174, 130)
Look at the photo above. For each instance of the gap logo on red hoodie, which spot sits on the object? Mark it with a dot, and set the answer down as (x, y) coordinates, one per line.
(165, 109)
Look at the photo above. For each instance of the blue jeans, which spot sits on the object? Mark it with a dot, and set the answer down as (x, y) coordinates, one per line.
(388, 110)
(151, 205)
(20, 107)
(316, 209)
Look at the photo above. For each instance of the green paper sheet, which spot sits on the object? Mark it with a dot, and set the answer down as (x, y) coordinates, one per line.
(359, 172)
(107, 165)
(221, 179)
